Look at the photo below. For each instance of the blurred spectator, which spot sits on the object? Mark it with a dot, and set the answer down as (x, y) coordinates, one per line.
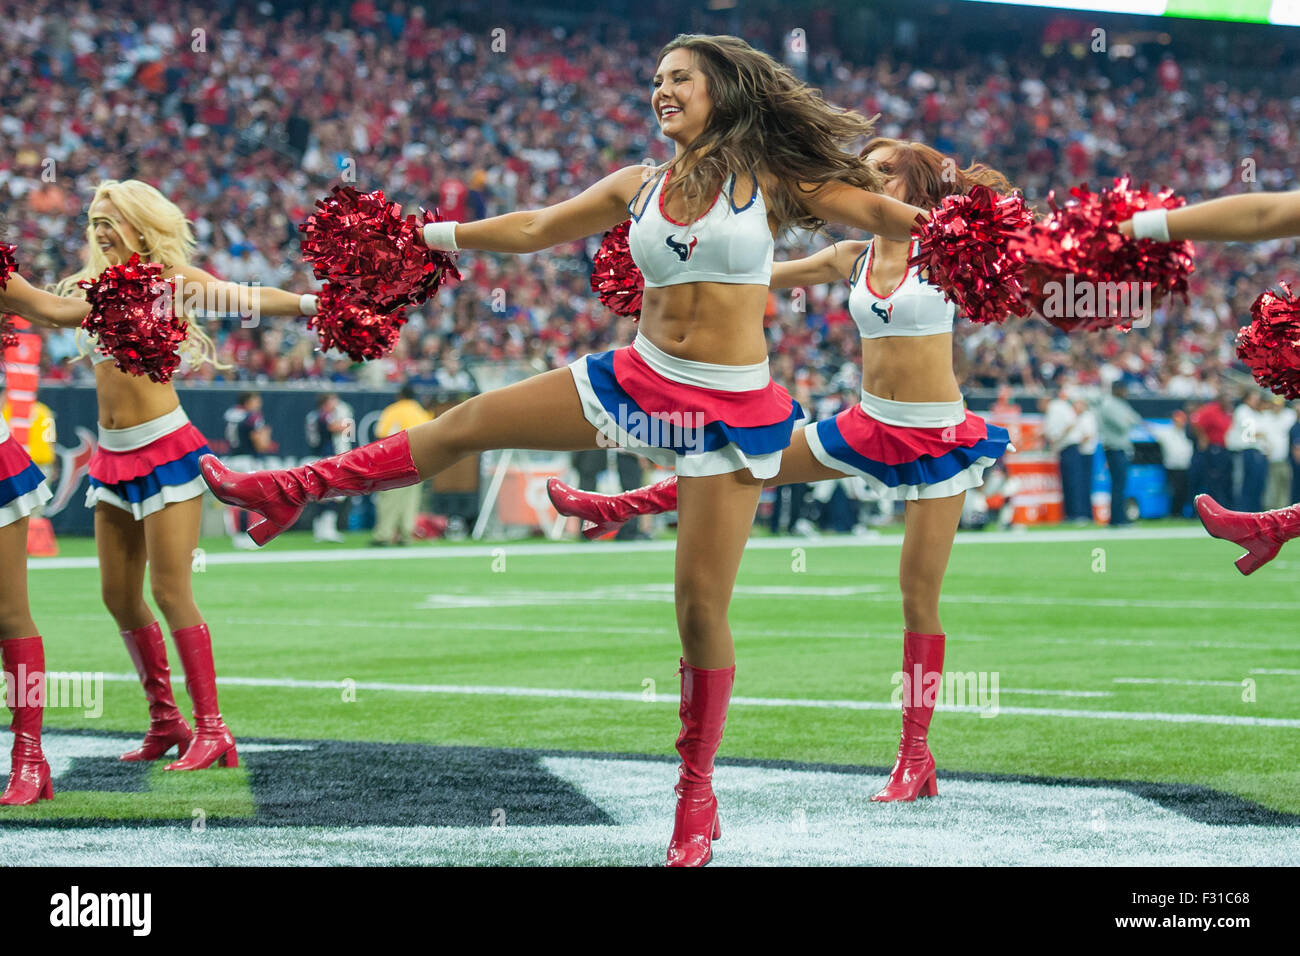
(1247, 440)
(285, 99)
(1295, 462)
(1061, 433)
(247, 433)
(397, 508)
(1083, 433)
(1210, 424)
(1116, 419)
(330, 431)
(1176, 449)
(1279, 419)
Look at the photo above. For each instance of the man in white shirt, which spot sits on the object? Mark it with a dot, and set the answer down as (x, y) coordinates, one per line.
(1059, 417)
(1248, 441)
(1082, 433)
(1278, 420)
(1176, 453)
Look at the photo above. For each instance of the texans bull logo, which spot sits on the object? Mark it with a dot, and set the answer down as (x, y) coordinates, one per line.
(882, 314)
(682, 249)
(74, 465)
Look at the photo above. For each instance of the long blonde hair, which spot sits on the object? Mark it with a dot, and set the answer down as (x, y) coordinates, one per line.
(764, 117)
(154, 227)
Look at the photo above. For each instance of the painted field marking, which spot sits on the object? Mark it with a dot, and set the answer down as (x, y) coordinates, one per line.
(669, 629)
(521, 549)
(1177, 681)
(776, 702)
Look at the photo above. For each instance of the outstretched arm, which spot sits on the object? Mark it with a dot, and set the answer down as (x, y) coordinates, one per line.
(1233, 218)
(848, 205)
(44, 308)
(599, 207)
(826, 265)
(208, 293)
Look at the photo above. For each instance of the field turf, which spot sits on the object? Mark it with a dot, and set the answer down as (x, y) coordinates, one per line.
(471, 703)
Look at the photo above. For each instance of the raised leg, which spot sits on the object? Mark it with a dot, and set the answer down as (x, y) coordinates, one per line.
(543, 412)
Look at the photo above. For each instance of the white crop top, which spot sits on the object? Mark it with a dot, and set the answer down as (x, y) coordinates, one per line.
(726, 244)
(915, 308)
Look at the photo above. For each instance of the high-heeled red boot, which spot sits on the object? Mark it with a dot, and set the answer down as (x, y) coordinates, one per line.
(1262, 533)
(278, 497)
(608, 513)
(705, 696)
(29, 774)
(167, 728)
(913, 774)
(212, 738)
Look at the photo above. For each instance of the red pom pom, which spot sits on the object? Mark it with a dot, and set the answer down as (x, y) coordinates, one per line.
(1270, 345)
(1106, 277)
(615, 278)
(8, 264)
(964, 246)
(347, 322)
(360, 241)
(131, 314)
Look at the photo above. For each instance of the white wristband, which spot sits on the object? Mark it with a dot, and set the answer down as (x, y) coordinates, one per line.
(441, 235)
(308, 304)
(1151, 224)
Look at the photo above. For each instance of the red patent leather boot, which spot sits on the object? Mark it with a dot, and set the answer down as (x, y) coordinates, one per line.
(608, 513)
(913, 774)
(1262, 534)
(278, 497)
(705, 695)
(167, 728)
(29, 774)
(212, 739)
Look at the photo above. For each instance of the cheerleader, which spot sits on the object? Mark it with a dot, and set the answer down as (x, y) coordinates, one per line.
(145, 486)
(755, 151)
(911, 438)
(22, 491)
(1233, 219)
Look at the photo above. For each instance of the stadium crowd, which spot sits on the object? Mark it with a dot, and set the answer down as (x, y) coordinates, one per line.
(246, 117)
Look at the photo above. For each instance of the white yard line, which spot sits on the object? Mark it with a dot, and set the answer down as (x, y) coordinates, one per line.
(1178, 681)
(791, 702)
(526, 548)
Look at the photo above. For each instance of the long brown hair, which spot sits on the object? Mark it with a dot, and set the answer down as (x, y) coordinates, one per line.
(928, 175)
(765, 118)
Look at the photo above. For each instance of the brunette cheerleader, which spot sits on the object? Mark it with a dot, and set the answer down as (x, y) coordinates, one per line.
(755, 151)
(911, 438)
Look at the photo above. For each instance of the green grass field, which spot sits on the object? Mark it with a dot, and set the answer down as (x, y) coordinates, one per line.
(468, 648)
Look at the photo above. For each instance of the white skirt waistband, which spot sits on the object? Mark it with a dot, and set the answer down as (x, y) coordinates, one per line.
(914, 414)
(137, 436)
(726, 378)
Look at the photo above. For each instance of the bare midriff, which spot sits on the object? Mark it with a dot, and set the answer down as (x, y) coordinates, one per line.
(715, 322)
(912, 368)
